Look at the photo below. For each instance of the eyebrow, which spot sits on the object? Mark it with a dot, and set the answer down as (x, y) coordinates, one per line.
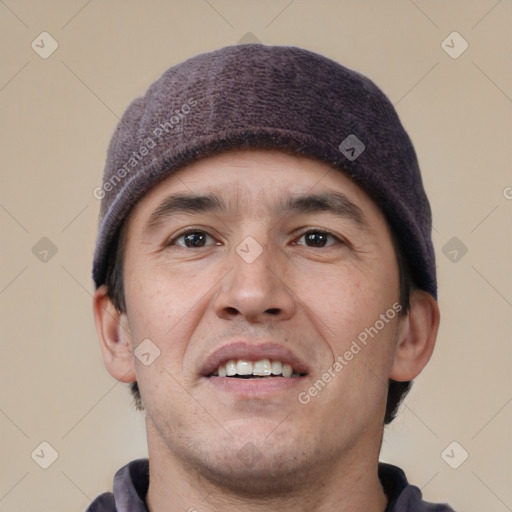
(330, 202)
(183, 203)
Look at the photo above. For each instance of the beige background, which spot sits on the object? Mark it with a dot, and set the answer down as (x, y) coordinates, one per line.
(57, 117)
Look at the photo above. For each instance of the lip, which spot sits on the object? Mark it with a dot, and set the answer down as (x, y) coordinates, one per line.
(255, 388)
(252, 351)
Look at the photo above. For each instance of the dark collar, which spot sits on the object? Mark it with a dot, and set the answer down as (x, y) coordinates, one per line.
(131, 485)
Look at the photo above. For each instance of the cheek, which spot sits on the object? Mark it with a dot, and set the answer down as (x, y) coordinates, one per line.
(346, 300)
(156, 311)
(166, 306)
(156, 306)
(355, 311)
(356, 314)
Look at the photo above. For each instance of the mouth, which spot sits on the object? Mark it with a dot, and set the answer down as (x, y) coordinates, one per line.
(261, 369)
(246, 361)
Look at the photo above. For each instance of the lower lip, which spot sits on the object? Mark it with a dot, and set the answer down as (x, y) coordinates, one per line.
(256, 387)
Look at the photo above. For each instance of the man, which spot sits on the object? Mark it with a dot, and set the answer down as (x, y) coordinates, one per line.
(265, 280)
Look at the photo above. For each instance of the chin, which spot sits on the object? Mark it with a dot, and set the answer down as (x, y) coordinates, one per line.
(254, 472)
(255, 459)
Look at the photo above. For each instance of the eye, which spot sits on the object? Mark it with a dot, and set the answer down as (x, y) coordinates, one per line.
(193, 239)
(317, 238)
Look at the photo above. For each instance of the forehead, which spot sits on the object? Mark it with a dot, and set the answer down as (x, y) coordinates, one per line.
(254, 180)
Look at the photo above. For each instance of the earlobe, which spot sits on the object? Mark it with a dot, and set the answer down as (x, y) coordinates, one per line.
(417, 335)
(114, 336)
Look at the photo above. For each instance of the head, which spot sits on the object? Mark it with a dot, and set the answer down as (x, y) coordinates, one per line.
(246, 229)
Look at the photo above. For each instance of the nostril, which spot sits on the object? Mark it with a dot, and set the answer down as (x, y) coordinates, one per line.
(273, 311)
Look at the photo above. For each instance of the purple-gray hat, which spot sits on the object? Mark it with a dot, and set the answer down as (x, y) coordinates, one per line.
(279, 97)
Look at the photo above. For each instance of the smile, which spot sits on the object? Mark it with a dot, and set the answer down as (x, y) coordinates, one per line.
(263, 368)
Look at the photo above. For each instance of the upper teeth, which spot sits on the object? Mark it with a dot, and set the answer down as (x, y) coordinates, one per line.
(261, 368)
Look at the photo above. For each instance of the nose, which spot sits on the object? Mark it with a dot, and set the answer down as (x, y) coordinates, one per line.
(255, 290)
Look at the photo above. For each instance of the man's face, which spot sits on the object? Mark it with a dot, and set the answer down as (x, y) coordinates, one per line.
(261, 257)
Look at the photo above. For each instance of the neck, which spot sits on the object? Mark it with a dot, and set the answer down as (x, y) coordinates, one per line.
(349, 484)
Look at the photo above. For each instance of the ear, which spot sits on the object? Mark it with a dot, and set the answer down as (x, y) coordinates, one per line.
(417, 335)
(115, 337)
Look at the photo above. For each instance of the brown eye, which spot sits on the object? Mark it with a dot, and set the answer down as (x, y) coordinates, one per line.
(193, 239)
(318, 239)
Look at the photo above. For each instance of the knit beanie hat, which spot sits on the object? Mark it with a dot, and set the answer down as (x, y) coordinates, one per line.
(276, 97)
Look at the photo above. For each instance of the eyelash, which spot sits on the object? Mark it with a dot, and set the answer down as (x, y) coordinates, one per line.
(173, 240)
(320, 232)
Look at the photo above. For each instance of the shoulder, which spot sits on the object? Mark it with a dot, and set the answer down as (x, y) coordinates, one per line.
(410, 501)
(402, 496)
(130, 487)
(103, 503)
